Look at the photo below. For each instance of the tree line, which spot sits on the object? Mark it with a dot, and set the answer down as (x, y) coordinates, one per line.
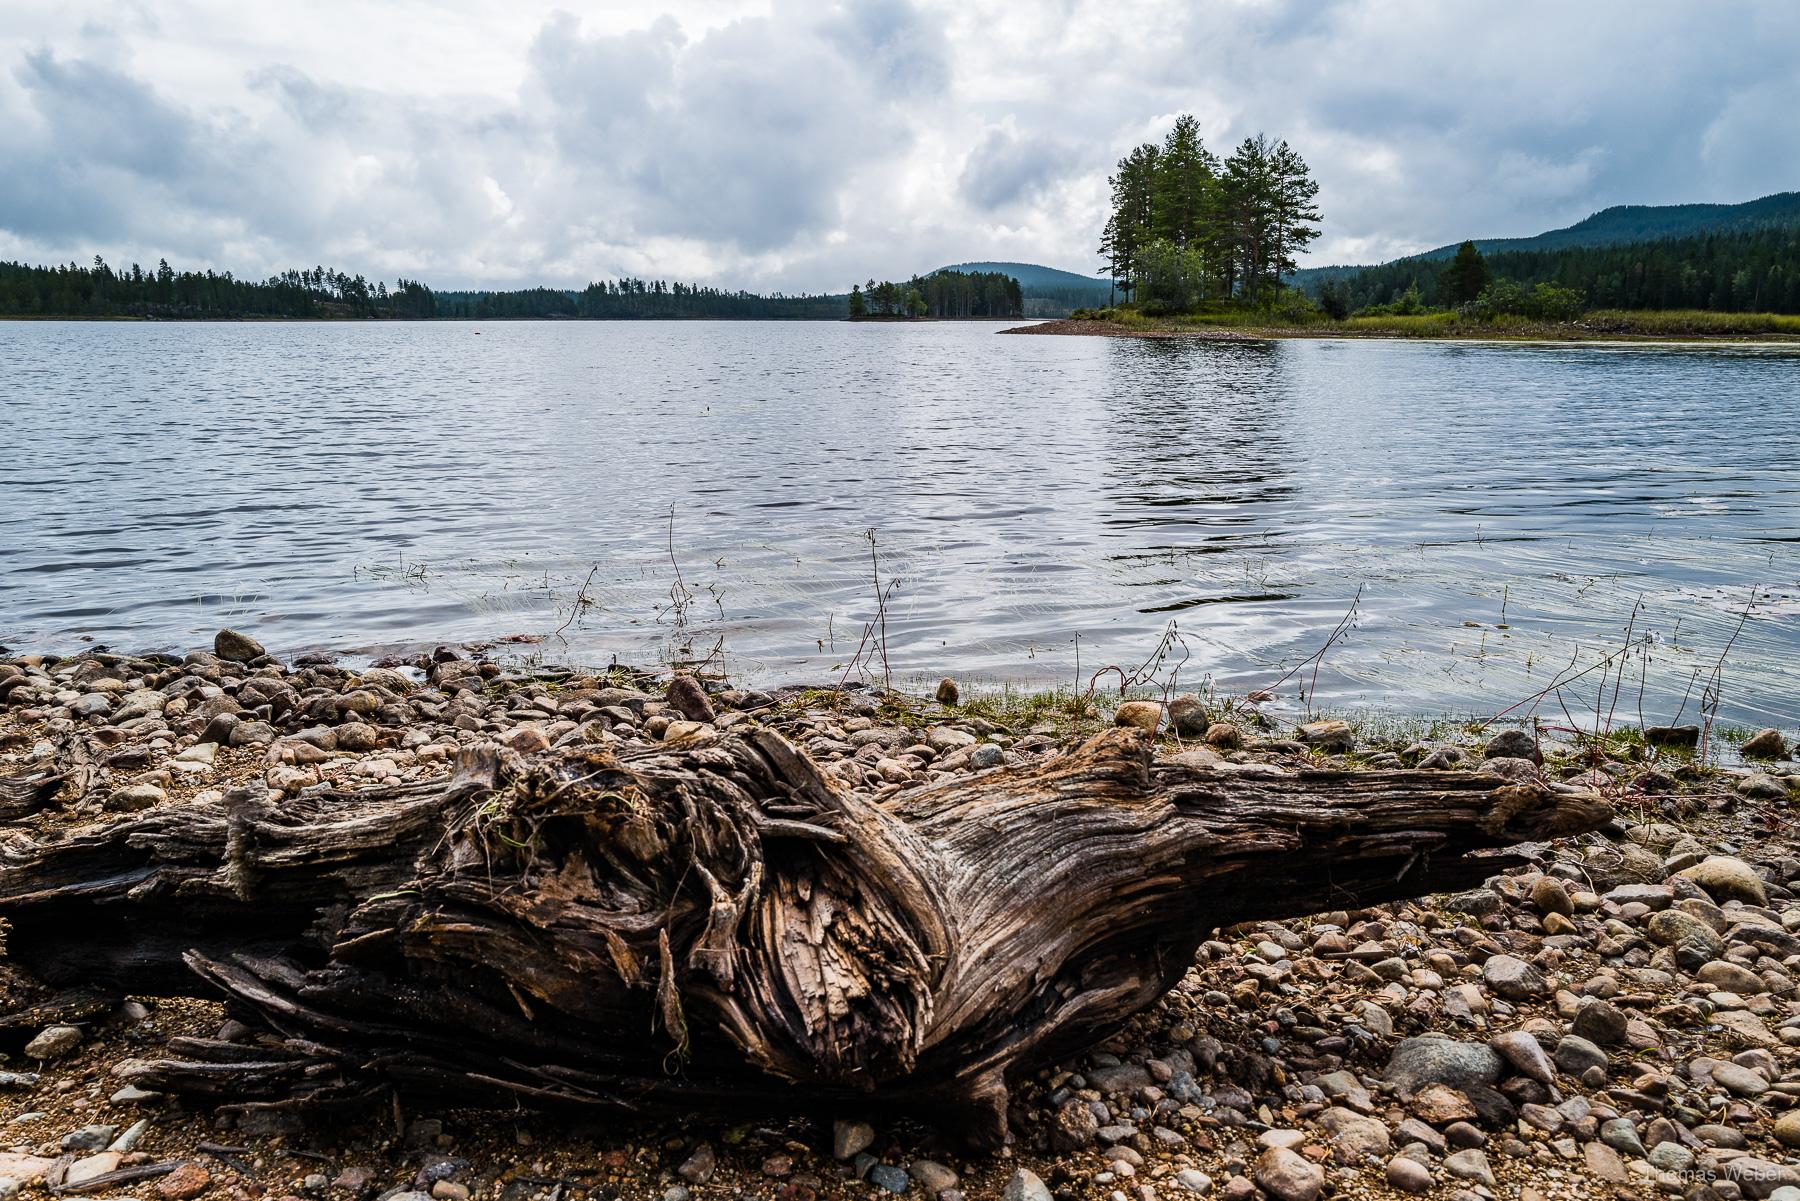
(943, 293)
(318, 292)
(1756, 271)
(100, 291)
(632, 299)
(1187, 227)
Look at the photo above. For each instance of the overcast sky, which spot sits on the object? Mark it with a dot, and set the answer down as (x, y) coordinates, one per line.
(802, 146)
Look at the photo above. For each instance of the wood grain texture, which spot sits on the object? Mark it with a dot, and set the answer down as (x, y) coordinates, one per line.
(719, 922)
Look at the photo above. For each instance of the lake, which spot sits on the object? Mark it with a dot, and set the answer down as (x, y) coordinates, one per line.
(364, 489)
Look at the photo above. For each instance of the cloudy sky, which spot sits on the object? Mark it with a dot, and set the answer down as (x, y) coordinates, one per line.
(801, 146)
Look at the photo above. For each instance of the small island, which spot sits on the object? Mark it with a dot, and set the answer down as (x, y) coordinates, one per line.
(943, 293)
(1198, 246)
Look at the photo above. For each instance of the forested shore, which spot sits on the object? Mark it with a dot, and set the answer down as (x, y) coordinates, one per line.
(319, 293)
(1744, 272)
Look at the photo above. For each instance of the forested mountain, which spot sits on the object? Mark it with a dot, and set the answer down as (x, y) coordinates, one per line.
(946, 292)
(1188, 227)
(1621, 224)
(1757, 271)
(1624, 223)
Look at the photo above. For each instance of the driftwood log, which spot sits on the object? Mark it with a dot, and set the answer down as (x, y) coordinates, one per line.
(719, 923)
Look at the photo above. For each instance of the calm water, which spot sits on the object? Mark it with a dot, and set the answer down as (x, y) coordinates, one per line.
(365, 488)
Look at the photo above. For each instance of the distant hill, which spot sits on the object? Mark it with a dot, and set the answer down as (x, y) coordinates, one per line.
(1033, 274)
(1616, 226)
(1049, 291)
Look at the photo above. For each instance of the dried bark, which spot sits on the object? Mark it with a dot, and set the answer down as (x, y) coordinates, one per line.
(718, 922)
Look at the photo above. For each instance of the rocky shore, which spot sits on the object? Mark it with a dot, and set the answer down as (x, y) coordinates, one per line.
(1614, 1016)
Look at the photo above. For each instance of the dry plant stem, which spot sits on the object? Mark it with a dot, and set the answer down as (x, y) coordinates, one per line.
(887, 674)
(1146, 672)
(874, 636)
(1339, 631)
(513, 934)
(1714, 692)
(581, 601)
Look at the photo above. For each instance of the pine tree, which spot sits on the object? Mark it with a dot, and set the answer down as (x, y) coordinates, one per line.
(1293, 212)
(1182, 187)
(1242, 237)
(1130, 228)
(1465, 277)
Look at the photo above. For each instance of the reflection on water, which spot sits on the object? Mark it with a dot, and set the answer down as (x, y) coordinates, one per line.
(1502, 508)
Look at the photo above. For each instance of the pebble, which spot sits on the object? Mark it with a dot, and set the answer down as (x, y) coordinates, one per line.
(83, 1170)
(1604, 1162)
(1408, 1175)
(1331, 736)
(1600, 1023)
(1026, 1186)
(699, 1166)
(1513, 744)
(1512, 978)
(1764, 744)
(1194, 1181)
(1286, 1176)
(188, 1180)
(1625, 1011)
(1551, 895)
(850, 1137)
(1139, 715)
(889, 1177)
(1188, 716)
(1575, 1055)
(53, 1042)
(932, 1176)
(1470, 1164)
(1728, 879)
(236, 647)
(948, 738)
(1526, 1055)
(1739, 1080)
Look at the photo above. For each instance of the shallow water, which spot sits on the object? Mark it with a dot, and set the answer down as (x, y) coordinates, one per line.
(361, 488)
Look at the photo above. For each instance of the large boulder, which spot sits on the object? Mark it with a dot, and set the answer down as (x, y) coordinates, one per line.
(1432, 1059)
(1695, 943)
(1727, 879)
(236, 647)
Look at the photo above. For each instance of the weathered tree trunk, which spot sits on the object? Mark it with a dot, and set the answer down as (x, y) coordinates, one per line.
(719, 922)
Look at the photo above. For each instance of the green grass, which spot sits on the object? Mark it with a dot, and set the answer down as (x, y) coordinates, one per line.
(1419, 325)
(1599, 323)
(1693, 322)
(1022, 708)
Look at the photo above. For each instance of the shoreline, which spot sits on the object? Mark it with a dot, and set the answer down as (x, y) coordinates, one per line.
(1160, 330)
(1666, 1063)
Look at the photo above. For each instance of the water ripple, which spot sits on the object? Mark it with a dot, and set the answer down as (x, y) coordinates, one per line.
(352, 487)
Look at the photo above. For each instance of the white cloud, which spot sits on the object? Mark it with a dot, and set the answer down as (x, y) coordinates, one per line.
(802, 145)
